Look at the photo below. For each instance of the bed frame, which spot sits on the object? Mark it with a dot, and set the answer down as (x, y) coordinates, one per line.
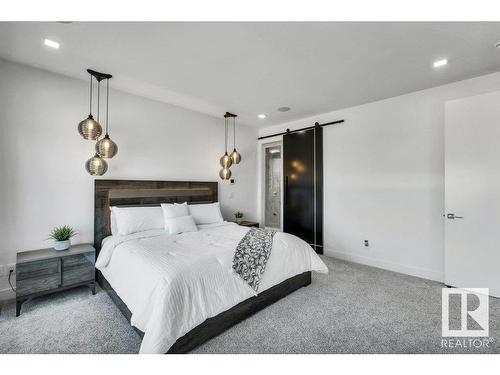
(137, 193)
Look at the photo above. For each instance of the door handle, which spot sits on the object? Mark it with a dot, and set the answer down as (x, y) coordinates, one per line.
(59, 269)
(285, 191)
(452, 216)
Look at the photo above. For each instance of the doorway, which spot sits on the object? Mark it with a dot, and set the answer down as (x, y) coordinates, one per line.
(303, 186)
(273, 166)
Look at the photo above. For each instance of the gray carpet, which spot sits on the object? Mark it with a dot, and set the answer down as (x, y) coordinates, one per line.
(354, 309)
(74, 321)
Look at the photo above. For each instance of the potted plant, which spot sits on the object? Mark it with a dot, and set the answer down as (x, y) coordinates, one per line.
(62, 237)
(238, 215)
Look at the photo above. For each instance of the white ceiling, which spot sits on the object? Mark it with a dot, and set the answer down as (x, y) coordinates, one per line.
(253, 68)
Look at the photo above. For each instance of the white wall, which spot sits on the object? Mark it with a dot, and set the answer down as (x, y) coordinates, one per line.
(384, 178)
(43, 182)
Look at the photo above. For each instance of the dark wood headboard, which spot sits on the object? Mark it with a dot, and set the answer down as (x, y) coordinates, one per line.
(137, 193)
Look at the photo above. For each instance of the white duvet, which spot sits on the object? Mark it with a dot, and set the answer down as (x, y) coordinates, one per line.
(172, 283)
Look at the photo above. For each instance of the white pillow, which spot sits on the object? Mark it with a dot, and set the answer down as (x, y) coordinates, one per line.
(206, 213)
(114, 227)
(174, 210)
(137, 219)
(171, 211)
(180, 224)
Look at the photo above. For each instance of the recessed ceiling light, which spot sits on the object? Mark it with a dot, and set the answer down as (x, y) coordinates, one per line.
(262, 116)
(284, 109)
(439, 63)
(51, 43)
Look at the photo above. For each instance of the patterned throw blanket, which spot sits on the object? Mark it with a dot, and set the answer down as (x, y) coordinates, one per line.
(251, 255)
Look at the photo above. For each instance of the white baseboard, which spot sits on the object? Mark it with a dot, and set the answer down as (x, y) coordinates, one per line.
(7, 294)
(395, 267)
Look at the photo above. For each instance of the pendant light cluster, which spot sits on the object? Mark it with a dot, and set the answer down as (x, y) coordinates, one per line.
(91, 129)
(226, 161)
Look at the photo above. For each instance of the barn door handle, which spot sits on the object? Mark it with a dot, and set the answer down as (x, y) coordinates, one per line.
(285, 190)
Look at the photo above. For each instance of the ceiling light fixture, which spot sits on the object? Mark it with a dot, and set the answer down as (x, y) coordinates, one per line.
(284, 109)
(51, 43)
(497, 46)
(440, 63)
(225, 160)
(92, 130)
(262, 116)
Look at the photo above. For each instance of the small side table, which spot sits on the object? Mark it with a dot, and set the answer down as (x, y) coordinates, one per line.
(246, 223)
(46, 271)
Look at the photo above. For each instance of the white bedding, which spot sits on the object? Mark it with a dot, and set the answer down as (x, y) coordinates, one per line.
(172, 283)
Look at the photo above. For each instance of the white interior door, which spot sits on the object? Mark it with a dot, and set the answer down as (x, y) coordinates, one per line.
(472, 193)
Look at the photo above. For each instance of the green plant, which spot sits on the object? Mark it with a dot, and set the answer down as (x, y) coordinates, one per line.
(62, 233)
(238, 215)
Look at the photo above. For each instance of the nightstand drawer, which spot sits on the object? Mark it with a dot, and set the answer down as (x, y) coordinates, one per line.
(77, 275)
(37, 284)
(78, 260)
(37, 269)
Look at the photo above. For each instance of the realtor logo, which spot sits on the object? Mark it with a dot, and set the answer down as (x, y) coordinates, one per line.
(465, 313)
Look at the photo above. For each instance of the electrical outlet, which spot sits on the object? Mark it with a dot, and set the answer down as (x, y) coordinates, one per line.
(367, 243)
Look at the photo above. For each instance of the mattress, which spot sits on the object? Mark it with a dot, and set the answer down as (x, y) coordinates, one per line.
(172, 283)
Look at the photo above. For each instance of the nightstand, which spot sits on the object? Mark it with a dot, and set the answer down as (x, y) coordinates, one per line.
(246, 223)
(46, 271)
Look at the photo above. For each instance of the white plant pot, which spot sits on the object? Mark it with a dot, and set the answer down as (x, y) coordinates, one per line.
(62, 245)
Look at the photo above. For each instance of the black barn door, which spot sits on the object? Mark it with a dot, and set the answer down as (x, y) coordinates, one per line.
(303, 186)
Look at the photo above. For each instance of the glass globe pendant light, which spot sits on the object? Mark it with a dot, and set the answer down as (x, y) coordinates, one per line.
(105, 147)
(235, 155)
(225, 160)
(96, 166)
(89, 128)
(225, 173)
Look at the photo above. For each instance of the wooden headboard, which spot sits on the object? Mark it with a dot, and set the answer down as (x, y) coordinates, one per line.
(136, 193)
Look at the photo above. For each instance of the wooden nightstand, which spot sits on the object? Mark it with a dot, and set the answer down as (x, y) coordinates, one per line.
(246, 223)
(46, 271)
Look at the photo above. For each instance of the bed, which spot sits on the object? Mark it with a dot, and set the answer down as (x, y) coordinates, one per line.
(179, 291)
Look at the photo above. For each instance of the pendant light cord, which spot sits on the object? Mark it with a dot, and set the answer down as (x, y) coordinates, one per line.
(90, 101)
(98, 99)
(234, 133)
(107, 104)
(225, 134)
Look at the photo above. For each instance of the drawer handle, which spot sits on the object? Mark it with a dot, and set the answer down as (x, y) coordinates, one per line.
(59, 269)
